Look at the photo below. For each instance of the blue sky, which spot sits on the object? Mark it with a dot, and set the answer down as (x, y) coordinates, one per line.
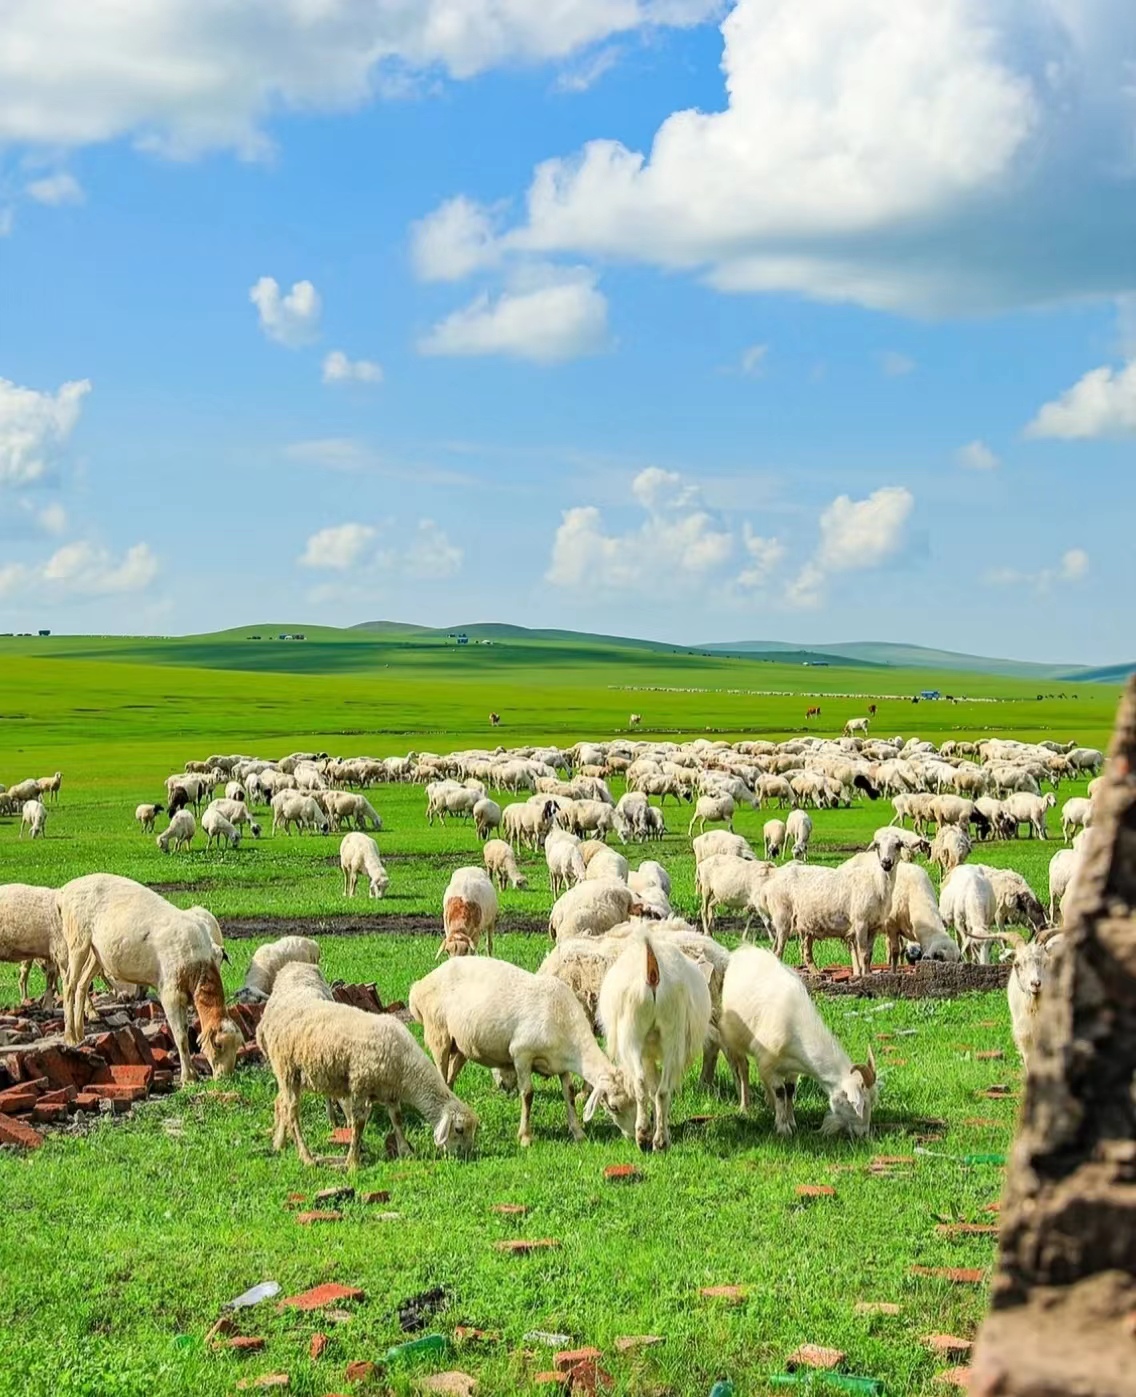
(659, 317)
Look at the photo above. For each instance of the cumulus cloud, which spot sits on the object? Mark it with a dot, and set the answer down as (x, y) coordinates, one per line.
(34, 426)
(976, 456)
(548, 315)
(855, 535)
(897, 155)
(1073, 566)
(183, 77)
(337, 368)
(765, 557)
(427, 553)
(83, 569)
(291, 320)
(60, 188)
(1102, 404)
(676, 544)
(458, 238)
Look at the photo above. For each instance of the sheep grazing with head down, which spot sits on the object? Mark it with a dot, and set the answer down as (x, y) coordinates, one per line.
(359, 1059)
(31, 930)
(146, 815)
(33, 817)
(798, 832)
(565, 862)
(914, 923)
(1063, 867)
(733, 883)
(268, 961)
(501, 864)
(773, 833)
(358, 853)
(720, 841)
(218, 829)
(655, 1010)
(504, 1018)
(179, 833)
(950, 847)
(714, 810)
(469, 911)
(767, 1015)
(131, 934)
(1015, 903)
(591, 908)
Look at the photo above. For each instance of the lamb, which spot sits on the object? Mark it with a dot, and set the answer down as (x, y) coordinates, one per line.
(218, 828)
(726, 881)
(469, 909)
(799, 828)
(179, 832)
(1001, 822)
(31, 930)
(767, 1015)
(1076, 814)
(268, 961)
(591, 908)
(486, 816)
(356, 1058)
(655, 1010)
(1031, 810)
(501, 864)
(566, 865)
(720, 841)
(850, 902)
(33, 817)
(358, 853)
(131, 934)
(712, 810)
(950, 847)
(773, 833)
(146, 815)
(914, 917)
(505, 1018)
(1063, 868)
(291, 808)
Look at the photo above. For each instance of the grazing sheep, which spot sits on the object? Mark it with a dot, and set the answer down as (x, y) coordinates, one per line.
(179, 832)
(1031, 810)
(505, 1018)
(581, 962)
(486, 817)
(655, 825)
(268, 961)
(767, 1015)
(304, 811)
(648, 874)
(1076, 814)
(855, 725)
(969, 906)
(1001, 823)
(502, 866)
(849, 902)
(1014, 900)
(358, 853)
(343, 806)
(235, 791)
(33, 817)
(469, 910)
(718, 809)
(359, 1059)
(773, 833)
(1063, 868)
(727, 881)
(720, 841)
(526, 825)
(631, 816)
(237, 813)
(799, 829)
(655, 1010)
(606, 863)
(914, 918)
(950, 847)
(565, 862)
(31, 930)
(634, 720)
(591, 908)
(218, 828)
(146, 815)
(131, 934)
(594, 817)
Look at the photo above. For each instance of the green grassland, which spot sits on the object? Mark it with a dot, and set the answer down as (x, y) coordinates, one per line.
(118, 1241)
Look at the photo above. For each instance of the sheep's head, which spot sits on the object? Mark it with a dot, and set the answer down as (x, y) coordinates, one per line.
(255, 829)
(1030, 910)
(379, 884)
(613, 1092)
(220, 1044)
(888, 847)
(457, 1130)
(1031, 967)
(852, 1102)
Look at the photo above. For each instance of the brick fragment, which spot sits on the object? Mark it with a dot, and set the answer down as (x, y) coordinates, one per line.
(48, 1113)
(242, 1343)
(466, 1334)
(733, 1293)
(568, 1358)
(589, 1378)
(814, 1356)
(341, 1135)
(992, 1208)
(114, 1092)
(519, 1245)
(319, 1215)
(815, 1191)
(622, 1174)
(321, 1295)
(377, 1195)
(334, 1195)
(124, 1075)
(950, 1345)
(225, 1326)
(957, 1275)
(17, 1099)
(318, 1344)
(362, 1371)
(87, 1101)
(64, 1096)
(14, 1132)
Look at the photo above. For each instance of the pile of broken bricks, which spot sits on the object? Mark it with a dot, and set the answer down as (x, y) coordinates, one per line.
(127, 1055)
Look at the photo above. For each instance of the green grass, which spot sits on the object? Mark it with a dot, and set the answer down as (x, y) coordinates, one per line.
(117, 1241)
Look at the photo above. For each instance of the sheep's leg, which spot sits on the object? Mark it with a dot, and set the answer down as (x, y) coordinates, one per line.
(807, 953)
(457, 1062)
(358, 1113)
(523, 1068)
(25, 975)
(574, 1128)
(662, 1136)
(177, 1016)
(290, 1090)
(489, 938)
(77, 976)
(783, 1121)
(280, 1122)
(739, 1066)
(402, 1144)
(709, 1059)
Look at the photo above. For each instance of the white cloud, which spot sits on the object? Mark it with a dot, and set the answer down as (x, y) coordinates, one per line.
(676, 545)
(458, 238)
(183, 76)
(1073, 566)
(83, 569)
(34, 426)
(53, 519)
(765, 557)
(753, 360)
(337, 368)
(1102, 404)
(976, 456)
(430, 554)
(61, 188)
(337, 548)
(806, 591)
(899, 155)
(549, 315)
(588, 72)
(291, 320)
(857, 534)
(896, 365)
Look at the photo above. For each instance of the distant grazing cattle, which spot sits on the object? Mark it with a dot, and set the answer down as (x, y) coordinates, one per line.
(812, 713)
(871, 710)
(494, 718)
(634, 720)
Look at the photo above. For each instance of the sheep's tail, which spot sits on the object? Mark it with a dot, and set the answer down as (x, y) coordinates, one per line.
(653, 973)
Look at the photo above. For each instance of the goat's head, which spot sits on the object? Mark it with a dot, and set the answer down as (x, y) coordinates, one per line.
(1031, 967)
(852, 1102)
(889, 848)
(613, 1092)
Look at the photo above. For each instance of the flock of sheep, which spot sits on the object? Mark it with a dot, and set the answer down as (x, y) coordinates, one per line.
(658, 990)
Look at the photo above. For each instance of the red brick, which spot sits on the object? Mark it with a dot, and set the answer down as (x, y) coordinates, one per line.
(958, 1275)
(50, 1112)
(225, 1326)
(163, 1081)
(589, 1378)
(362, 1371)
(569, 1357)
(992, 1208)
(378, 1195)
(112, 1092)
(341, 1135)
(733, 1293)
(87, 1101)
(815, 1191)
(509, 1209)
(318, 1215)
(998, 1092)
(813, 1356)
(519, 1245)
(318, 1344)
(295, 1199)
(948, 1344)
(62, 1071)
(622, 1174)
(321, 1295)
(17, 1099)
(123, 1075)
(13, 1132)
(64, 1096)
(243, 1343)
(163, 1058)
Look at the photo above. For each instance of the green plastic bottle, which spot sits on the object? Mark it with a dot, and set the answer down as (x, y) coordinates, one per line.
(413, 1349)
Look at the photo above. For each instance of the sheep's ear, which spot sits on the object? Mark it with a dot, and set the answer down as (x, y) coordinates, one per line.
(592, 1103)
(653, 975)
(707, 971)
(442, 1131)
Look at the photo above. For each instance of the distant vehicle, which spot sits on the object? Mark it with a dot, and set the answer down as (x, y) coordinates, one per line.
(45, 632)
(463, 639)
(929, 694)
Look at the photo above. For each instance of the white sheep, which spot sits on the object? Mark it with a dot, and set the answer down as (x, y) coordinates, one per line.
(469, 911)
(727, 881)
(146, 815)
(486, 817)
(606, 863)
(50, 785)
(950, 847)
(505, 1018)
(773, 833)
(712, 810)
(237, 813)
(912, 843)
(856, 725)
(914, 917)
(131, 934)
(31, 930)
(565, 862)
(720, 841)
(178, 833)
(591, 908)
(304, 811)
(501, 865)
(33, 817)
(1063, 867)
(358, 853)
(268, 961)
(359, 1059)
(799, 830)
(526, 825)
(1014, 900)
(1076, 814)
(767, 1015)
(647, 874)
(1031, 810)
(218, 828)
(969, 907)
(655, 1010)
